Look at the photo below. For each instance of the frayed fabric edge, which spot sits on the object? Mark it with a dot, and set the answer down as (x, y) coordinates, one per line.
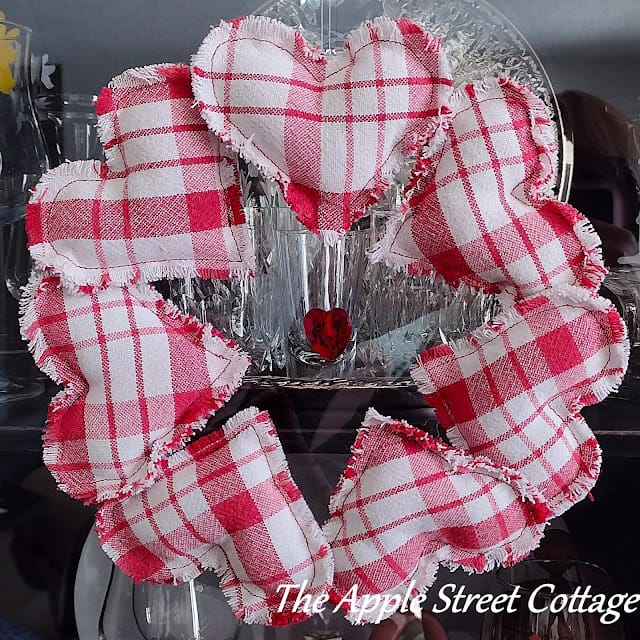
(128, 566)
(148, 75)
(424, 575)
(73, 276)
(429, 136)
(543, 130)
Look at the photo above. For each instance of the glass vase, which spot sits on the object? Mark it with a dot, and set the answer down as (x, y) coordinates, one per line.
(76, 133)
(23, 160)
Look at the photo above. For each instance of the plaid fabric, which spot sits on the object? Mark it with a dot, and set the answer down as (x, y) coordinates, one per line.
(228, 503)
(331, 130)
(139, 379)
(480, 215)
(166, 204)
(408, 502)
(512, 390)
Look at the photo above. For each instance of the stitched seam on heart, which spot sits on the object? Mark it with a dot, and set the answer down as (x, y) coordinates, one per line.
(218, 560)
(226, 172)
(589, 391)
(46, 255)
(469, 99)
(74, 273)
(456, 457)
(306, 523)
(509, 550)
(207, 445)
(129, 79)
(571, 297)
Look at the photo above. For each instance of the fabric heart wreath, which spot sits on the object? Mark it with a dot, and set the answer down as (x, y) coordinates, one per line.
(331, 130)
(169, 511)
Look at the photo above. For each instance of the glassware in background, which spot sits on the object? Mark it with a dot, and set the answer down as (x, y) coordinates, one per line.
(23, 159)
(245, 309)
(221, 303)
(622, 287)
(538, 619)
(397, 315)
(606, 189)
(194, 610)
(321, 312)
(22, 152)
(17, 267)
(402, 314)
(265, 301)
(75, 126)
(322, 626)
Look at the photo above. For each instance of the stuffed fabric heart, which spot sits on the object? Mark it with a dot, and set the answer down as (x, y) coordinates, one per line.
(480, 215)
(408, 502)
(228, 503)
(166, 204)
(331, 130)
(139, 379)
(512, 390)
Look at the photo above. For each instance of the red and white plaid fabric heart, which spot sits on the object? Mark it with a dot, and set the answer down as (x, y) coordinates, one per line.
(480, 213)
(512, 390)
(331, 130)
(139, 379)
(166, 204)
(228, 503)
(408, 502)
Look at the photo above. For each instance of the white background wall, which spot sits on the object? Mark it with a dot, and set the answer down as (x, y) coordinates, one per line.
(593, 45)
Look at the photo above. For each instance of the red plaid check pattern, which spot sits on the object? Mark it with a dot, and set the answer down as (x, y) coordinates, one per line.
(408, 502)
(228, 503)
(331, 130)
(512, 390)
(480, 215)
(139, 379)
(166, 204)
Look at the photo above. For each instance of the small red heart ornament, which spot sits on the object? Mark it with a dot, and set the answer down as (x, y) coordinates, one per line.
(328, 332)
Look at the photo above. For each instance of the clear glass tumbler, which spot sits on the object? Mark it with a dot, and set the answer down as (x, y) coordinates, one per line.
(321, 311)
(75, 126)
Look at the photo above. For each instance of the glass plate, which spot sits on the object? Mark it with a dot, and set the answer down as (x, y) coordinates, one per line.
(479, 41)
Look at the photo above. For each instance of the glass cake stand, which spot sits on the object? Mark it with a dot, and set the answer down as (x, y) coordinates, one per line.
(478, 39)
(402, 314)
